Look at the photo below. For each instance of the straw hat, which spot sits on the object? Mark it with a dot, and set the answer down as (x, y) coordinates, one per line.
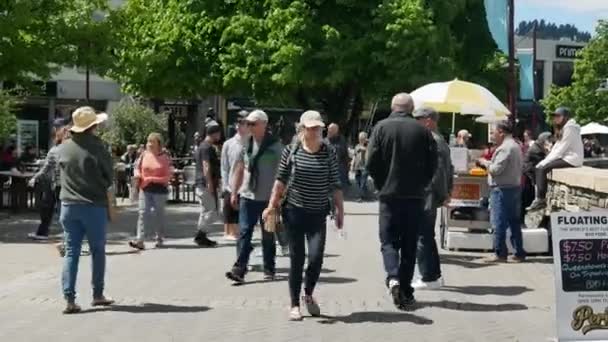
(84, 118)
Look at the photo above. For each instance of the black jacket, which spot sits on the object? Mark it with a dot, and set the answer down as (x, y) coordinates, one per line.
(535, 155)
(402, 157)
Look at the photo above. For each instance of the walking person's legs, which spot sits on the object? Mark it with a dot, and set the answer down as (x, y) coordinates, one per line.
(208, 209)
(160, 204)
(297, 255)
(74, 233)
(46, 201)
(390, 238)
(96, 221)
(541, 182)
(427, 253)
(316, 236)
(248, 218)
(413, 211)
(269, 249)
(143, 219)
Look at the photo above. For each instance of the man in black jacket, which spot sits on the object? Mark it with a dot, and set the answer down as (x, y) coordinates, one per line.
(402, 159)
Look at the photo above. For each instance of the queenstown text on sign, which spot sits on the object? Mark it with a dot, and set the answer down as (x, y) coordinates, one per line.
(567, 51)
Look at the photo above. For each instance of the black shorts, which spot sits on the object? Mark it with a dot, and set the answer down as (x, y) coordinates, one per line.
(231, 215)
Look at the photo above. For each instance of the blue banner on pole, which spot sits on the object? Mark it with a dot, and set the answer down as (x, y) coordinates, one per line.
(497, 14)
(526, 74)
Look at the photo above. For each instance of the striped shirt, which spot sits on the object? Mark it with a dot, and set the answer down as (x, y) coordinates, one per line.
(315, 177)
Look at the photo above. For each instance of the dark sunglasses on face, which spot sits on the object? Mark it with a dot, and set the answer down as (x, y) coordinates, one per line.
(251, 124)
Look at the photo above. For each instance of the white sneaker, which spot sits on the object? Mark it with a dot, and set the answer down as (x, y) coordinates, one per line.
(295, 314)
(428, 285)
(36, 237)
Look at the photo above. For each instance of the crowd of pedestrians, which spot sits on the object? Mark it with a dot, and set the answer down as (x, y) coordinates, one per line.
(290, 191)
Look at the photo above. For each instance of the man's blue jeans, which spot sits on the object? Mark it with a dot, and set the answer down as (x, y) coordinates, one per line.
(427, 253)
(250, 214)
(80, 220)
(505, 214)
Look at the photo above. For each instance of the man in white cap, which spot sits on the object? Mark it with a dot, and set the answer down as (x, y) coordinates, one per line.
(86, 176)
(254, 174)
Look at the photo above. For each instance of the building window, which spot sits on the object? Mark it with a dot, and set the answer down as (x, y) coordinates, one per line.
(562, 73)
(539, 69)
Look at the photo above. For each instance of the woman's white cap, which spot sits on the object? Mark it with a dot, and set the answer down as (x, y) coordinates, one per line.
(311, 118)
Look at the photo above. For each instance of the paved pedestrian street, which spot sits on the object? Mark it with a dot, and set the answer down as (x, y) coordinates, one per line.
(180, 293)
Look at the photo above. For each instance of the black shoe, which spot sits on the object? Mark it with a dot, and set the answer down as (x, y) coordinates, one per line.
(236, 275)
(202, 240)
(407, 303)
(269, 276)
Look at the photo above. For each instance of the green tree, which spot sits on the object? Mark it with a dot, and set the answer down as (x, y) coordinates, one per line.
(169, 48)
(8, 120)
(131, 122)
(589, 70)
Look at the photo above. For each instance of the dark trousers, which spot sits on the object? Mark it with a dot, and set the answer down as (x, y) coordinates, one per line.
(47, 199)
(504, 215)
(541, 176)
(304, 225)
(400, 221)
(250, 213)
(427, 253)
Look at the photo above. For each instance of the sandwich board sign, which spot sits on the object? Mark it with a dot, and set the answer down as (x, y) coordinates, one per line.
(580, 253)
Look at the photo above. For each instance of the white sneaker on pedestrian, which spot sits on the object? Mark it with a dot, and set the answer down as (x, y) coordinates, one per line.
(37, 237)
(428, 285)
(394, 290)
(295, 314)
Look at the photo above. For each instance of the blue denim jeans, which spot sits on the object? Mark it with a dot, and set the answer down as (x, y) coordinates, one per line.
(80, 220)
(361, 178)
(505, 214)
(427, 253)
(250, 213)
(149, 201)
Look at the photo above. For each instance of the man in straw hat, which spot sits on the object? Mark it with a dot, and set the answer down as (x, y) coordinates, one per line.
(86, 176)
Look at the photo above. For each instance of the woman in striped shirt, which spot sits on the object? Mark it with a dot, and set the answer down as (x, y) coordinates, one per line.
(308, 175)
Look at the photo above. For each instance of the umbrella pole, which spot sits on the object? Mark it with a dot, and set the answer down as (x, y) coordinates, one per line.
(453, 122)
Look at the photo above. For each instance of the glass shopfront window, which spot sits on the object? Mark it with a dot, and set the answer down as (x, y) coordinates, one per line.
(562, 73)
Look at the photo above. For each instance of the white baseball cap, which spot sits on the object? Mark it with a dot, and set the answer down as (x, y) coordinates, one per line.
(311, 118)
(257, 115)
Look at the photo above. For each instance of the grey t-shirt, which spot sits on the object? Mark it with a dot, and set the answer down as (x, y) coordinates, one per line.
(268, 165)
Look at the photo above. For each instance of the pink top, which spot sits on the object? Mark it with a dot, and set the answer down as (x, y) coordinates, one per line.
(154, 169)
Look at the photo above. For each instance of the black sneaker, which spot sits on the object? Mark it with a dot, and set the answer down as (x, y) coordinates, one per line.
(202, 240)
(407, 303)
(269, 275)
(236, 275)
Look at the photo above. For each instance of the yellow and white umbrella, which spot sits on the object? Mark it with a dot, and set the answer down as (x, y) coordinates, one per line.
(459, 97)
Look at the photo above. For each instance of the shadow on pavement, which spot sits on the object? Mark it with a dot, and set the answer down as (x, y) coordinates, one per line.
(473, 307)
(464, 261)
(488, 290)
(336, 280)
(286, 270)
(376, 317)
(261, 281)
(150, 308)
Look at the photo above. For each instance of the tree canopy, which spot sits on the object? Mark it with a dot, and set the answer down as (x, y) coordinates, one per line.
(590, 69)
(38, 36)
(548, 30)
(328, 54)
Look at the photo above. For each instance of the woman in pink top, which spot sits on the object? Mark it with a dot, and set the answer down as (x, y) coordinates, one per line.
(153, 171)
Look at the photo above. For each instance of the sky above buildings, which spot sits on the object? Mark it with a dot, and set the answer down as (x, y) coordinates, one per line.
(584, 14)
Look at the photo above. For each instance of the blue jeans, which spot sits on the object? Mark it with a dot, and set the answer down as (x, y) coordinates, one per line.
(427, 253)
(80, 220)
(250, 213)
(505, 214)
(361, 178)
(400, 221)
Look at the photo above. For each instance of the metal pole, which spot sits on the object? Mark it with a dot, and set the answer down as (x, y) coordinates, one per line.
(511, 28)
(534, 52)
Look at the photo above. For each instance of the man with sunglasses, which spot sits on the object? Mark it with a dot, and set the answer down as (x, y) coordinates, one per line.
(254, 174)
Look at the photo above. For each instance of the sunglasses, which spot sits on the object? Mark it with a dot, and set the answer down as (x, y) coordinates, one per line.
(251, 124)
